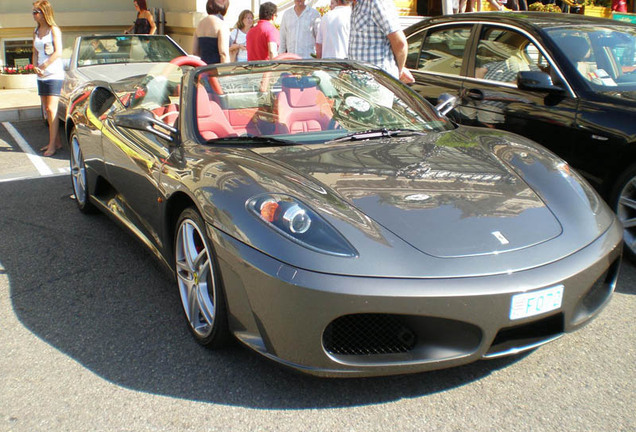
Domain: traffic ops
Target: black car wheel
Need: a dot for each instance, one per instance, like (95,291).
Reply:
(198,281)
(78,176)
(624,202)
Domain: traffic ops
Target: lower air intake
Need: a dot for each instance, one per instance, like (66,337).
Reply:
(368,334)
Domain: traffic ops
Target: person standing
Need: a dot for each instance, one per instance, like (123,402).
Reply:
(262,39)
(377,38)
(619,6)
(475,6)
(332,40)
(145,23)
(298,30)
(238,37)
(47,55)
(211,38)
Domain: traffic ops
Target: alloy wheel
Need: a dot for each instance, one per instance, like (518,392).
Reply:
(78,172)
(626,211)
(195,277)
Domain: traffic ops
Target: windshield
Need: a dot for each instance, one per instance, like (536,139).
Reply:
(603,55)
(308,102)
(99,50)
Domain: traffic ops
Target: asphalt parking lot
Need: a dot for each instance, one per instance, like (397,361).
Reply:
(92,338)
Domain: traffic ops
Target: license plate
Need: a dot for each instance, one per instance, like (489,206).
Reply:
(536,302)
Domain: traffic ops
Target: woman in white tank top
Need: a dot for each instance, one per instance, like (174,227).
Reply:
(47,58)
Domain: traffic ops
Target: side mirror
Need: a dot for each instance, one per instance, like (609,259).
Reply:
(445,103)
(537,81)
(144,120)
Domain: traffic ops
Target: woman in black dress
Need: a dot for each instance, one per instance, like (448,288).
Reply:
(211,39)
(145,23)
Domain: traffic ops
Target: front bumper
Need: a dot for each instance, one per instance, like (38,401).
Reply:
(333,325)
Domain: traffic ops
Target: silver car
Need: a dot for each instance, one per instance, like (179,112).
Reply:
(111,58)
(326,216)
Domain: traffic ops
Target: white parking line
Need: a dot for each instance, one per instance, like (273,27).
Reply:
(12,179)
(36,160)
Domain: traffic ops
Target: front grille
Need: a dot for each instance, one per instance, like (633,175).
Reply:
(368,334)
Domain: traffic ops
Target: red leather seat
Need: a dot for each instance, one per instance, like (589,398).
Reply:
(167,113)
(301,106)
(210,118)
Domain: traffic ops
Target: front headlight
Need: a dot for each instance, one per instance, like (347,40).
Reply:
(297,222)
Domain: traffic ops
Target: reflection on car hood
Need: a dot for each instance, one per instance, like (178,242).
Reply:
(115,72)
(446,201)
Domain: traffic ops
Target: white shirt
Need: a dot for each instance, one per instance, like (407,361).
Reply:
(298,33)
(55,71)
(238,37)
(334,32)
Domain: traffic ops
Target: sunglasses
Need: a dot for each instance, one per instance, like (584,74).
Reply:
(36,12)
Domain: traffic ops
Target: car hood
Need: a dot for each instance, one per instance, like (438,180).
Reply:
(446,201)
(466,202)
(115,72)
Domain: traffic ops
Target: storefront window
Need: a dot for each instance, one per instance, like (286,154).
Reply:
(18,52)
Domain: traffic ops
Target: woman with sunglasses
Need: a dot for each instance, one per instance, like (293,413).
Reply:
(47,56)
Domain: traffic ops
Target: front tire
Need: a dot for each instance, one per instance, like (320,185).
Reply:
(79,177)
(198,281)
(623,199)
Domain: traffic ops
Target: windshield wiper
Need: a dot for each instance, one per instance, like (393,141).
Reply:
(378,133)
(251,140)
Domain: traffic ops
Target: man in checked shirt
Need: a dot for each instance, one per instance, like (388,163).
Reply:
(377,38)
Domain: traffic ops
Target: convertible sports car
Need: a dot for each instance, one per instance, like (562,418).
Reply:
(114,57)
(565,81)
(329,218)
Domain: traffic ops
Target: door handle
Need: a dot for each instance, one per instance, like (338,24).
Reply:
(475,94)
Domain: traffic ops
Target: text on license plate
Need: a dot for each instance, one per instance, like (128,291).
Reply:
(536,302)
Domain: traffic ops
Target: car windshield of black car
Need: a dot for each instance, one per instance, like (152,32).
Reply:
(604,56)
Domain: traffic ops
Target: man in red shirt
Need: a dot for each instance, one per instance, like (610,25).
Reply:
(262,39)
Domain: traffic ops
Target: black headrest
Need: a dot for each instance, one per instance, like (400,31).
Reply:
(574,47)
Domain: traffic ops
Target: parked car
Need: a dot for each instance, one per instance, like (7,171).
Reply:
(566,81)
(112,58)
(330,219)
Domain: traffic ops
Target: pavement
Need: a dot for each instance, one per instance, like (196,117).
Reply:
(19,105)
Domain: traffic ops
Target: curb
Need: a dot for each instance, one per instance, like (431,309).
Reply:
(20,114)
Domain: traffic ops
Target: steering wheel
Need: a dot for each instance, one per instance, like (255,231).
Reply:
(188,61)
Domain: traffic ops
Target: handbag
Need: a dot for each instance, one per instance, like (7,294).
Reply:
(234,54)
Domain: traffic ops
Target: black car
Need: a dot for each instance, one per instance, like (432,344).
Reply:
(565,81)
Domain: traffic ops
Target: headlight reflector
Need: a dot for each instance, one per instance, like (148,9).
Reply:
(297,219)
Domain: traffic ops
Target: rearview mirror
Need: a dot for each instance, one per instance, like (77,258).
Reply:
(537,81)
(141,119)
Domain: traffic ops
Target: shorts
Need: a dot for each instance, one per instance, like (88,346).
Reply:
(50,87)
